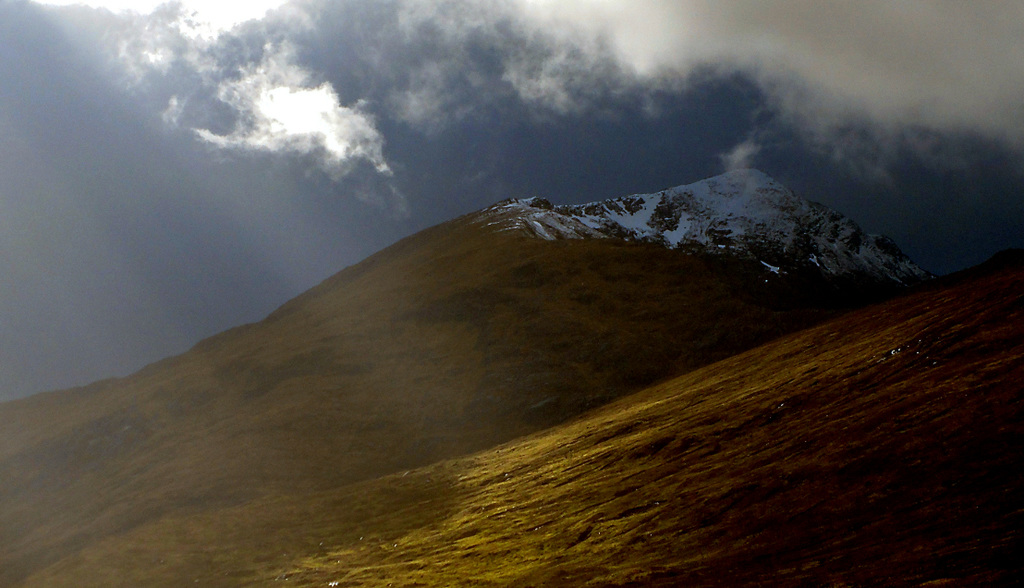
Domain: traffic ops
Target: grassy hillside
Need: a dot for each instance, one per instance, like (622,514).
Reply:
(452,341)
(880,448)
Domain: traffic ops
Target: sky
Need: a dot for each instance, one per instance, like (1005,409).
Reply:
(171,170)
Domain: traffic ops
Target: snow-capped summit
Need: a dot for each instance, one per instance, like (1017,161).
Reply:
(743,213)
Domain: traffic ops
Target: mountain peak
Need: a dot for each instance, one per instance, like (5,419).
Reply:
(744,213)
(745,177)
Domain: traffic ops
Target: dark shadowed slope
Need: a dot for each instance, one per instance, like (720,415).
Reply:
(879,448)
(456,339)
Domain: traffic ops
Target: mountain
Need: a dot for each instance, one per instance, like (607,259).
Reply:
(878,448)
(743,213)
(452,341)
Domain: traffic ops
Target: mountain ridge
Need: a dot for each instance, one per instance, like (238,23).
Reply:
(743,213)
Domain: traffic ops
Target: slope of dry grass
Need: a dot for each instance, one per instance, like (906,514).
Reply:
(880,448)
(449,342)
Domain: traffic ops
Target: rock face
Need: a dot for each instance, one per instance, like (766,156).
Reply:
(743,213)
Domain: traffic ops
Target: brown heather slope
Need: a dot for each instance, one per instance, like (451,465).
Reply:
(880,448)
(451,341)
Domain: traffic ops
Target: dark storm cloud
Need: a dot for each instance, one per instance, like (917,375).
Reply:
(949,66)
(882,68)
(864,84)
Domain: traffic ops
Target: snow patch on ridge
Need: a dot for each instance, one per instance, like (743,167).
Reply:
(744,213)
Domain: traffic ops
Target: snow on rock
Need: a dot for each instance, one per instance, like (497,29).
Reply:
(744,213)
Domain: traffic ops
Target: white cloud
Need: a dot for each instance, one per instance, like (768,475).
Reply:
(194,49)
(741,156)
(172,113)
(947,65)
(206,18)
(280,110)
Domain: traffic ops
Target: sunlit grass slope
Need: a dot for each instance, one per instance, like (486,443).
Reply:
(880,448)
(451,341)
